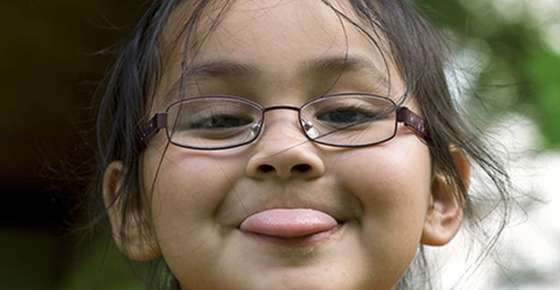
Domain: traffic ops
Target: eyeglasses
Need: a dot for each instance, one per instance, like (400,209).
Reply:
(341,120)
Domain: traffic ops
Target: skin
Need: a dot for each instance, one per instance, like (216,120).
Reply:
(385,194)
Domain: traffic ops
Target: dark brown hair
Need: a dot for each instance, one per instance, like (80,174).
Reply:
(415,46)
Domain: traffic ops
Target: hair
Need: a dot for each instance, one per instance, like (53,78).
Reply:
(415,47)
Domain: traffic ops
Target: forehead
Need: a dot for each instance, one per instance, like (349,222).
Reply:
(272,30)
(267,30)
(278,38)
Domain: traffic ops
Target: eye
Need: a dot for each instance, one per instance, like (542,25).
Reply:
(204,121)
(221,121)
(346,115)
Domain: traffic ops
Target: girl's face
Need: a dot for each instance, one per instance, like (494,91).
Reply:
(379,196)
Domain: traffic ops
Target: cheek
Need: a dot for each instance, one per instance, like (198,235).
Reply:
(389,178)
(392,184)
(189,187)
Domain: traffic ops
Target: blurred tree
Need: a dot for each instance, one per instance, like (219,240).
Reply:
(520,41)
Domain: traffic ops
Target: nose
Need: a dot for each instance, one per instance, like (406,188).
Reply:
(284,152)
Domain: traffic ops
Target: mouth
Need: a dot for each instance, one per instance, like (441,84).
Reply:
(291,227)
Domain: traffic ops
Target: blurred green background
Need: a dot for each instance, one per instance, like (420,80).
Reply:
(506,51)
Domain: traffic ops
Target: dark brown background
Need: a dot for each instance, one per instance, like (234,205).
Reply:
(50,67)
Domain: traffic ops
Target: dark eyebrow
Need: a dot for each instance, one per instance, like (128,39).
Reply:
(339,64)
(220,68)
(345,64)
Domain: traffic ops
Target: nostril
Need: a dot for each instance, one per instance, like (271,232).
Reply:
(302,167)
(266,168)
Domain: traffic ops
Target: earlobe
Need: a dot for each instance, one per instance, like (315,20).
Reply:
(130,233)
(445,214)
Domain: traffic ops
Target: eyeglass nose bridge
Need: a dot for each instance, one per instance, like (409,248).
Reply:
(307,126)
(281,107)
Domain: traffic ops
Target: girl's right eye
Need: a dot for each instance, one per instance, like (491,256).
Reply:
(218,122)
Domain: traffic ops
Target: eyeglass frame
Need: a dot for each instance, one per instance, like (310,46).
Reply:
(403,115)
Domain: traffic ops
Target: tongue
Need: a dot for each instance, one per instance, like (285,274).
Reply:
(288,223)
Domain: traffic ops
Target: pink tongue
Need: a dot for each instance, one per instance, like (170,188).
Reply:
(288,223)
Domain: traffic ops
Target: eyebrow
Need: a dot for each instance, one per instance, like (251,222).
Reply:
(221,68)
(346,64)
(341,64)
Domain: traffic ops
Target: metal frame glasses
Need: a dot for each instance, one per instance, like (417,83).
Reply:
(342,120)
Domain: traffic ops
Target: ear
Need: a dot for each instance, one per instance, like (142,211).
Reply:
(445,214)
(135,240)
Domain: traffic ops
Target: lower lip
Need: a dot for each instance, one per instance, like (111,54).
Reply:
(306,241)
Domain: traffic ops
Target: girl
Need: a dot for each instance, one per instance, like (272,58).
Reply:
(286,145)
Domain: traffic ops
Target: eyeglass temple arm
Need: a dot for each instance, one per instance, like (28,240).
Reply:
(413,121)
(156,123)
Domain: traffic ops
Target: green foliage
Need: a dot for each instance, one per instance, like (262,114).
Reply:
(522,72)
(543,71)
